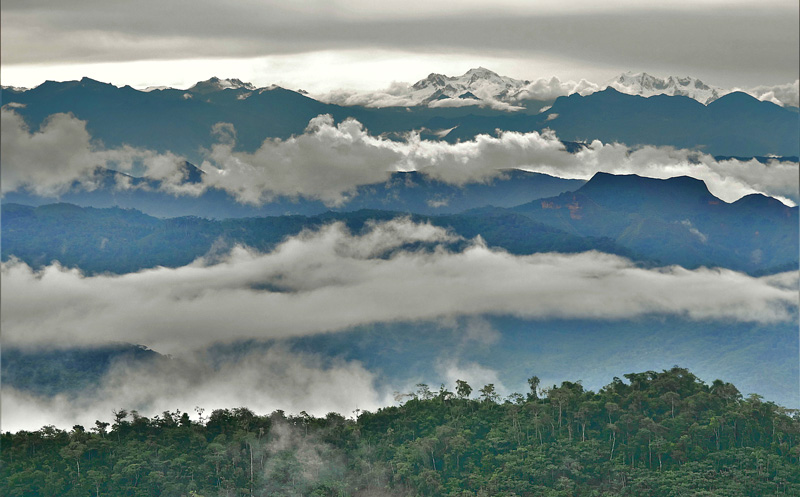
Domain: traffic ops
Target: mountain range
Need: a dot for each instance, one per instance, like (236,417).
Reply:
(481,86)
(655,222)
(181,121)
(402,192)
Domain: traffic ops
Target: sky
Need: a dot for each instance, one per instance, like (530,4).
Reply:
(323,45)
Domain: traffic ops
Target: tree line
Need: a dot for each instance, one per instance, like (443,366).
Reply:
(650,434)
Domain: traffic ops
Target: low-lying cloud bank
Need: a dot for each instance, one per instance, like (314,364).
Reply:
(330,280)
(263,381)
(329,161)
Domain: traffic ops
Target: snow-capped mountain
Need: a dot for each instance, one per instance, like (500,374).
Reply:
(475,84)
(483,87)
(478,86)
(647,85)
(217,84)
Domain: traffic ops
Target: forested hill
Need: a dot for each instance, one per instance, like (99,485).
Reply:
(652,434)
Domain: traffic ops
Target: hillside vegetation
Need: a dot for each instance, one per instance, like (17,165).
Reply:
(652,434)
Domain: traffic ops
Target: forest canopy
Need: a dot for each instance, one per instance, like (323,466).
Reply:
(651,433)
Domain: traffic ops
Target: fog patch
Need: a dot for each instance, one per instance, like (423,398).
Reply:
(263,380)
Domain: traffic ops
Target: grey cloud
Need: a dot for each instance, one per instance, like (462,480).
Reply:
(263,380)
(743,43)
(331,280)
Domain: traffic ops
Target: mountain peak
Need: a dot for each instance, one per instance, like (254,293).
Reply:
(648,85)
(481,72)
(478,84)
(215,84)
(679,188)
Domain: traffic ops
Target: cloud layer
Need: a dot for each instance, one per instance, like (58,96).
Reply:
(331,280)
(740,41)
(330,161)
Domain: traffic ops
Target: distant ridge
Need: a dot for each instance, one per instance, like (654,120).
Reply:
(485,86)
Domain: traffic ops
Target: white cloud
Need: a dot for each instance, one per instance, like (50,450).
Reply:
(550,89)
(696,232)
(49,160)
(331,280)
(473,373)
(329,161)
(788,94)
(60,154)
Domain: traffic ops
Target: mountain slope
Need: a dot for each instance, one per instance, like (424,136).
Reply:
(119,241)
(733,125)
(676,221)
(657,222)
(403,191)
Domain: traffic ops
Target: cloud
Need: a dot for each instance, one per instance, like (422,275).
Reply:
(262,380)
(749,41)
(550,89)
(696,232)
(473,373)
(61,155)
(398,94)
(787,94)
(47,161)
(330,280)
(467,102)
(329,161)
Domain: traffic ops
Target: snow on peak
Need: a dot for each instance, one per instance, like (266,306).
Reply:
(15,88)
(156,88)
(217,84)
(478,86)
(647,85)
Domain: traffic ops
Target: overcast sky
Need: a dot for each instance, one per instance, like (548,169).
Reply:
(323,45)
